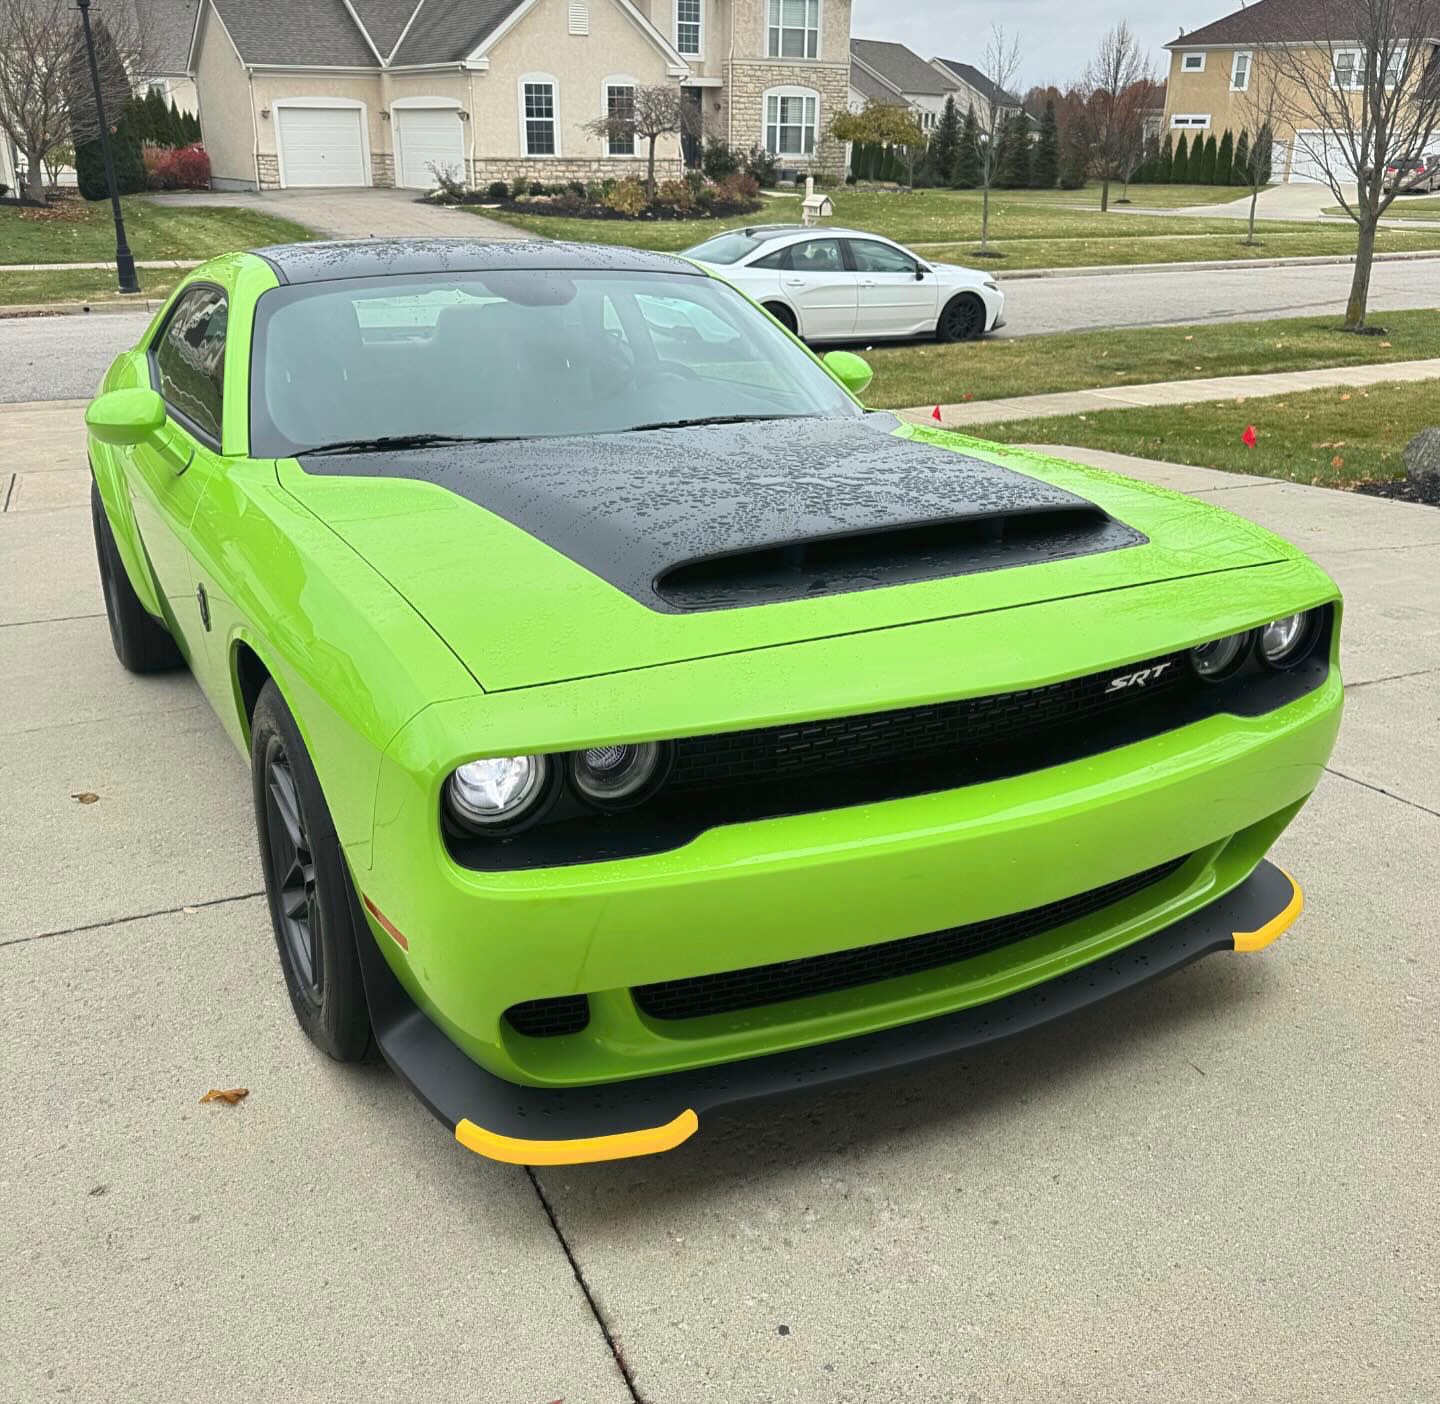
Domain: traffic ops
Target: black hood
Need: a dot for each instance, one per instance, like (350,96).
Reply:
(721,516)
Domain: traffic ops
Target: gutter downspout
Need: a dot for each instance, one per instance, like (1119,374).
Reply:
(473,176)
(730,84)
(254,130)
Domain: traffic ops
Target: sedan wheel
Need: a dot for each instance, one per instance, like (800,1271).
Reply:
(962,320)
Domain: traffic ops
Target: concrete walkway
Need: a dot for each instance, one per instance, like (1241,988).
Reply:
(355,214)
(108,263)
(1168,392)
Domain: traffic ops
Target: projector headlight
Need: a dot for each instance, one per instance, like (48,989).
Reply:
(613,777)
(498,792)
(1289,641)
(1220,657)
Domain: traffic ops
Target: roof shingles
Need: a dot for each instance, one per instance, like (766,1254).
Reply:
(902,68)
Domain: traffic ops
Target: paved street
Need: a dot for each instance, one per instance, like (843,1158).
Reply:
(64,357)
(1222,1187)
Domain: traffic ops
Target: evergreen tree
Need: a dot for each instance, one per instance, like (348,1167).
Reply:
(178,131)
(1225,161)
(1265,144)
(1021,154)
(945,147)
(1165,162)
(192,127)
(124,142)
(1208,161)
(1180,171)
(1240,170)
(1045,166)
(157,120)
(967,158)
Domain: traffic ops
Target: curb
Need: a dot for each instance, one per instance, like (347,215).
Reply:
(1208,266)
(80,309)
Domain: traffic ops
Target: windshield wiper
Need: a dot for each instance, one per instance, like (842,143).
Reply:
(709,419)
(401,441)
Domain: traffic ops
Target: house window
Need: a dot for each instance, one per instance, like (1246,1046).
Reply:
(687,27)
(790,121)
(537,116)
(1240,71)
(1349,71)
(1193,63)
(620,105)
(794,28)
(1190,119)
(1394,66)
(579,19)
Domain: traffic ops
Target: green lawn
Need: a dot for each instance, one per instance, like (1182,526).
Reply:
(1332,438)
(81,232)
(84,285)
(1029,232)
(1404,207)
(1154,197)
(927,373)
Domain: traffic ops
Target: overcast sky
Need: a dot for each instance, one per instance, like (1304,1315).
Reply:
(1056,37)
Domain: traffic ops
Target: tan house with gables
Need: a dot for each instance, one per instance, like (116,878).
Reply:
(385,92)
(1213,69)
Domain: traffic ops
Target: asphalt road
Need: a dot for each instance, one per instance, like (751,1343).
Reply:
(57,358)
(1220,1188)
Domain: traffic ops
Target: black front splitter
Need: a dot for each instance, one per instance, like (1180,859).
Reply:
(553,1126)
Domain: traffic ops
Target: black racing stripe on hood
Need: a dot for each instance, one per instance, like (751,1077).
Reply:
(721,516)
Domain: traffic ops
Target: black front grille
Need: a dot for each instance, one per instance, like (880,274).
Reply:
(843,970)
(550,1018)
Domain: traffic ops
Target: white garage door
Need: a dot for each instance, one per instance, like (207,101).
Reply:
(1314,152)
(425,137)
(321,146)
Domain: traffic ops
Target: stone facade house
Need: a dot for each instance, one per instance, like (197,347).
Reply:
(387,92)
(1212,70)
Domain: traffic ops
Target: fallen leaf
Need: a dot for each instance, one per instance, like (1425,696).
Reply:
(86,796)
(189,911)
(1239,399)
(99,1190)
(1386,343)
(1344,397)
(1337,462)
(1189,338)
(230,1096)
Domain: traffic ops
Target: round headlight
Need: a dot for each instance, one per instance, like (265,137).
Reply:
(1286,642)
(1220,657)
(616,775)
(500,790)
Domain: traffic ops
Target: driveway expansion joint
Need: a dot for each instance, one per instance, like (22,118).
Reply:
(138,916)
(1381,790)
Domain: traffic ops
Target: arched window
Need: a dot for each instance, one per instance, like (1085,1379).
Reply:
(792,118)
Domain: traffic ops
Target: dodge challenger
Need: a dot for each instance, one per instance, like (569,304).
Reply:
(639,726)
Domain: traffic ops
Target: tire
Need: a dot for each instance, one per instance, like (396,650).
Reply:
(142,643)
(307,883)
(784,316)
(961,319)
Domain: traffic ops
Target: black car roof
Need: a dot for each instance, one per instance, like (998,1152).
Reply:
(327,260)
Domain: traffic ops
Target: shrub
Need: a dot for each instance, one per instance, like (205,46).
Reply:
(761,164)
(538,188)
(675,195)
(519,187)
(595,193)
(448,188)
(577,189)
(740,187)
(719,159)
(498,190)
(627,197)
(180,168)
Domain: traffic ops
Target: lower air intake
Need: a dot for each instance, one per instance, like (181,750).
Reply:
(549,1018)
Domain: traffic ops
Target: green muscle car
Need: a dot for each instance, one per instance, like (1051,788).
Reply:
(639,726)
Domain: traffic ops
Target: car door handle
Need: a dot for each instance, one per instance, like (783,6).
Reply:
(867,282)
(794,282)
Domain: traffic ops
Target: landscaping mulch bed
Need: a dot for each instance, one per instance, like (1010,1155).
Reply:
(1423,488)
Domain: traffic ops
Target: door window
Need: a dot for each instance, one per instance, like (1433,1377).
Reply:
(817,256)
(188,361)
(871,257)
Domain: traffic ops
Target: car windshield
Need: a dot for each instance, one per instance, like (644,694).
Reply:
(729,247)
(518,354)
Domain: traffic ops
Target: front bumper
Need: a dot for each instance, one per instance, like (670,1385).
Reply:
(525,1125)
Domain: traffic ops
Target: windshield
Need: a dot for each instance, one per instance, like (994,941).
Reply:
(518,354)
(729,247)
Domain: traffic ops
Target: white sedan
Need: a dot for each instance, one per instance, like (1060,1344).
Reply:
(847,285)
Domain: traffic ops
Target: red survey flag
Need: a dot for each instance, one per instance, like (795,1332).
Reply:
(1248,437)
(935,415)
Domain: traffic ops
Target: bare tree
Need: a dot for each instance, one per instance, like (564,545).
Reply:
(1259,104)
(1119,87)
(1369,88)
(999,67)
(40,42)
(655,111)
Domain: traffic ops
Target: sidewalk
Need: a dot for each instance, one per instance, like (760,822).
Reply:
(1169,392)
(108,263)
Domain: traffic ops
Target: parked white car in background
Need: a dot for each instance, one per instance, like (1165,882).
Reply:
(846,285)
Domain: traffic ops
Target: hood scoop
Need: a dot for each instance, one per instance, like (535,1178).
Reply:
(898,555)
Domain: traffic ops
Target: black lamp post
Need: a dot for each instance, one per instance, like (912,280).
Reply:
(124,259)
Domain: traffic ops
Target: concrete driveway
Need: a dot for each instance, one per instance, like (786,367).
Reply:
(1220,1188)
(355,214)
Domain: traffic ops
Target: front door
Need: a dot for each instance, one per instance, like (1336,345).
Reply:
(692,125)
(820,288)
(168,473)
(896,295)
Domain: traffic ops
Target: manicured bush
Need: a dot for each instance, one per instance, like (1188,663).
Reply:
(186,168)
(498,190)
(675,195)
(520,186)
(1209,158)
(719,159)
(627,198)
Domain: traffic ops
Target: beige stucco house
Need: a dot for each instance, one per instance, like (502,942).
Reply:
(1214,71)
(384,92)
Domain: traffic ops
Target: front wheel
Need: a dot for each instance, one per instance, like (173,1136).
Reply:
(784,316)
(963,319)
(308,886)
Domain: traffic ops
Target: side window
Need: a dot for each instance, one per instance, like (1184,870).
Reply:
(189,359)
(817,256)
(871,257)
(779,259)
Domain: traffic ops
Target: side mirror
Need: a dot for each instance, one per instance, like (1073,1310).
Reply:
(125,416)
(919,274)
(852,371)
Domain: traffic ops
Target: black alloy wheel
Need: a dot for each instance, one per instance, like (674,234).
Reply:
(962,320)
(297,912)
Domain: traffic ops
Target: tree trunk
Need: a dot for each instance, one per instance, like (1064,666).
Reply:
(33,186)
(1105,192)
(650,171)
(1360,283)
(985,217)
(1254,198)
